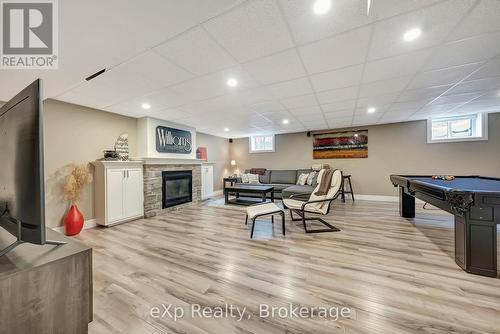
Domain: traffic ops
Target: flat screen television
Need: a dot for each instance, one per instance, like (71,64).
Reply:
(22,195)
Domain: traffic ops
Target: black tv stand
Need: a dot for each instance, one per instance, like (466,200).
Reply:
(20,242)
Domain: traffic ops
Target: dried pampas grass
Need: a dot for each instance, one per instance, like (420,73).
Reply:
(75,182)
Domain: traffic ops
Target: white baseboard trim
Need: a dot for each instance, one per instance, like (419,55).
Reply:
(91,223)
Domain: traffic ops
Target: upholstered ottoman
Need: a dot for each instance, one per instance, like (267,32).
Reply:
(265,209)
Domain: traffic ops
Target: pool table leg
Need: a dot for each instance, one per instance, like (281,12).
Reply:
(476,246)
(406,204)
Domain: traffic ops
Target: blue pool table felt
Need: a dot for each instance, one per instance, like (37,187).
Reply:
(474,184)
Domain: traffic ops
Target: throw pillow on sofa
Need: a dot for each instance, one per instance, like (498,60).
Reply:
(253,179)
(302,179)
(311,178)
(244,178)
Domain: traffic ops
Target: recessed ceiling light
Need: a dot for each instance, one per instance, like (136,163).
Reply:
(322,7)
(232,82)
(412,34)
(226,129)
(285,121)
(146,106)
(371,110)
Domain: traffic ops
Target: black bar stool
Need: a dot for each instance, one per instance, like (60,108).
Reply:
(347,180)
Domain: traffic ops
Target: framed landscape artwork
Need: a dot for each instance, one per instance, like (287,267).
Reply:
(340,145)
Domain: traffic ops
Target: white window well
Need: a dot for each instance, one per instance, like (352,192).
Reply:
(458,128)
(260,144)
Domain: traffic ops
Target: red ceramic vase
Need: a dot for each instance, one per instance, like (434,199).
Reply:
(73,222)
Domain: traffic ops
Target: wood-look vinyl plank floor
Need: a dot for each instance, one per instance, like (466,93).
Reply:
(396,275)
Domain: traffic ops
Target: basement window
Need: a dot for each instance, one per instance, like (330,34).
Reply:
(259,144)
(458,128)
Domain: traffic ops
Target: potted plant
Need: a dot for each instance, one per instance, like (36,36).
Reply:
(75,182)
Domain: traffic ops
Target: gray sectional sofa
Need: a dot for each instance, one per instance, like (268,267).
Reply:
(284,182)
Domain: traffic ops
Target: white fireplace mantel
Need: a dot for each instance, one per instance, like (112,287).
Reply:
(172,161)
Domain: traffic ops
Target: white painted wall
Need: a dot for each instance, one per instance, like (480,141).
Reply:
(146,134)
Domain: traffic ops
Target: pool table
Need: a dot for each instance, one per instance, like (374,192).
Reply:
(475,203)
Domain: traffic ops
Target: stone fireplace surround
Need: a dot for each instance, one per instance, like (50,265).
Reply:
(153,169)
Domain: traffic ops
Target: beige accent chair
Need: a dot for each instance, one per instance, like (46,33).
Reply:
(319,205)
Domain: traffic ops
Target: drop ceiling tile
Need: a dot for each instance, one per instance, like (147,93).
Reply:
(307,26)
(449,98)
(343,105)
(438,109)
(305,110)
(339,125)
(94,95)
(299,101)
(436,23)
(475,86)
(422,93)
(316,125)
(349,76)
(278,67)
(446,76)
(388,8)
(390,118)
(377,101)
(197,52)
(482,19)
(165,97)
(475,49)
(143,74)
(337,95)
(365,119)
(254,29)
(384,87)
(490,69)
(387,68)
(277,116)
(134,108)
(252,96)
(221,104)
(266,107)
(214,84)
(290,88)
(336,52)
(311,118)
(490,102)
(362,112)
(408,107)
(169,114)
(339,114)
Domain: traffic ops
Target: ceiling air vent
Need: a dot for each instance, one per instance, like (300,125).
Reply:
(95,74)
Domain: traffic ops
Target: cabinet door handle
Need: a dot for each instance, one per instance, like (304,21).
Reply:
(128,174)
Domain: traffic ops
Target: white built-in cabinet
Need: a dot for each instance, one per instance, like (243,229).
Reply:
(119,194)
(207,181)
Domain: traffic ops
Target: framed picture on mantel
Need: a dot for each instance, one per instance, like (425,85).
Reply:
(340,145)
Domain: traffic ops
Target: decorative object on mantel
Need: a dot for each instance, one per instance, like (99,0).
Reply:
(121,147)
(75,182)
(340,145)
(201,153)
(111,155)
(170,140)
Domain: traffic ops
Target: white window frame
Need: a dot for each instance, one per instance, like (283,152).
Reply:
(261,151)
(481,124)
